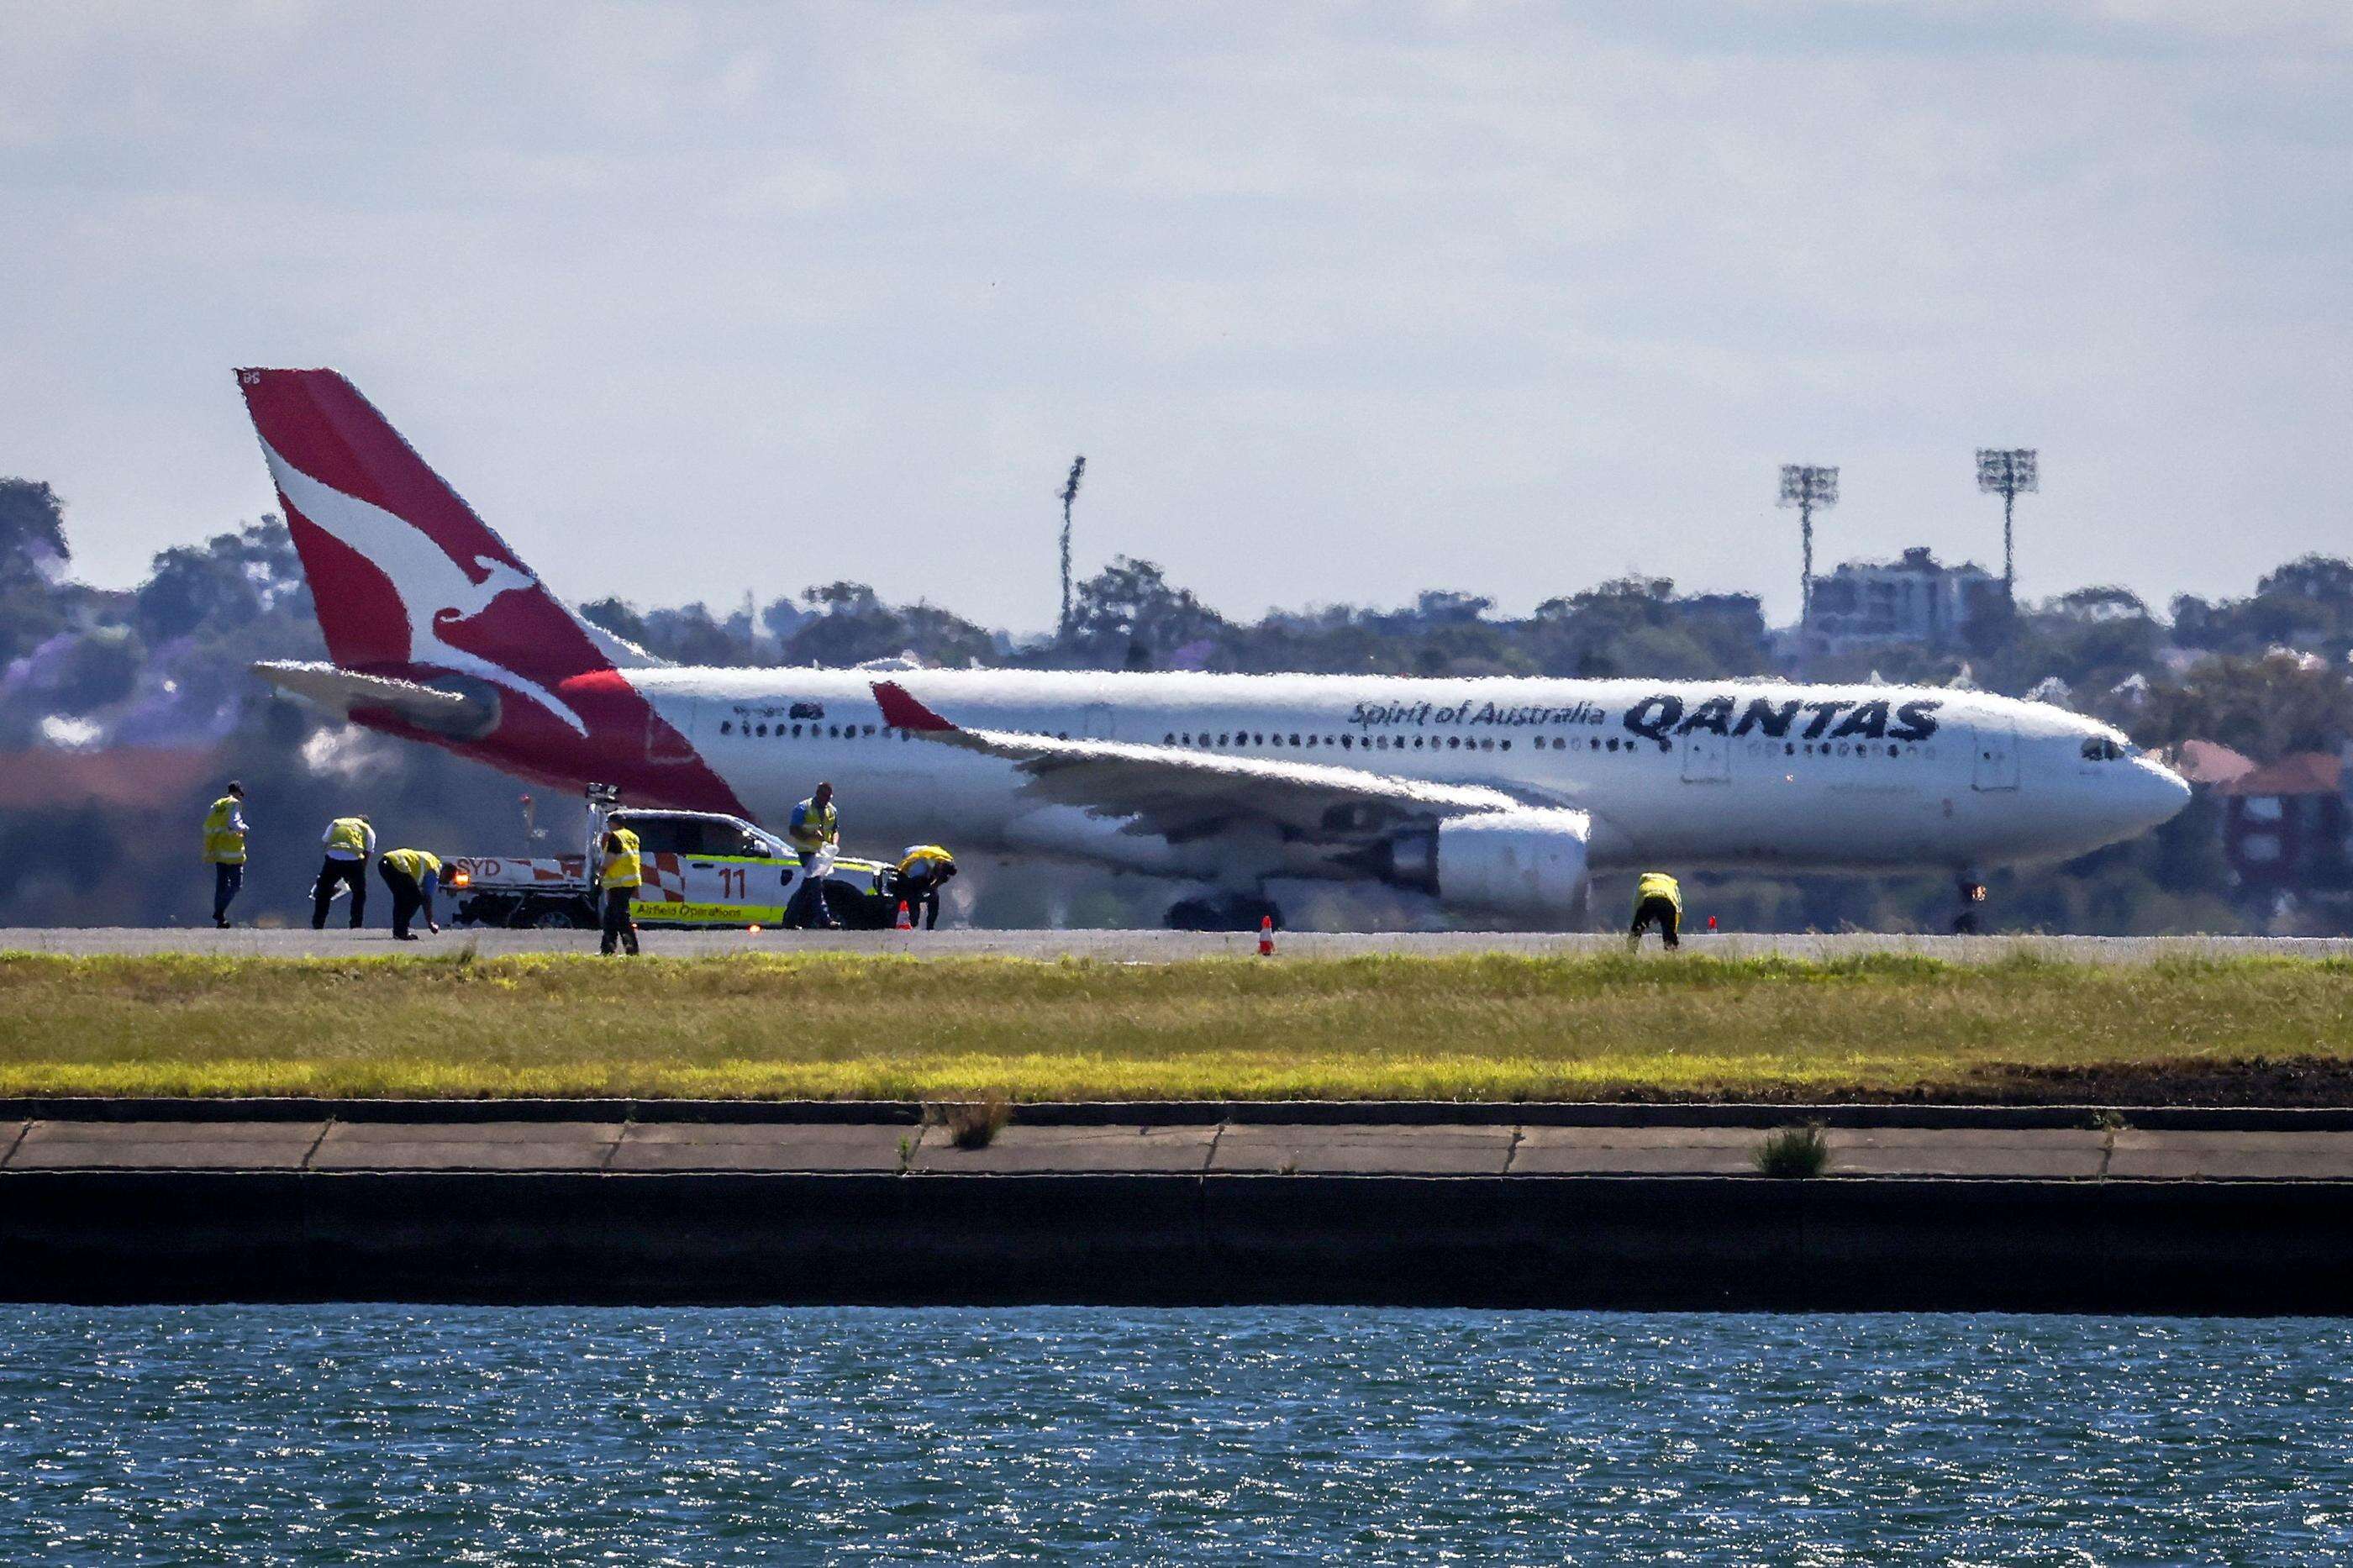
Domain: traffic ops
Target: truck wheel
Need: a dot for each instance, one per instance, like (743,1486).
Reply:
(486,910)
(545,917)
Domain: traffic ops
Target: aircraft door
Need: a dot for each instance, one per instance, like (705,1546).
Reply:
(1095,721)
(1996,756)
(1707,758)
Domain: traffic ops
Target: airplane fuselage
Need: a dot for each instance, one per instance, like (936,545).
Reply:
(1498,793)
(1691,774)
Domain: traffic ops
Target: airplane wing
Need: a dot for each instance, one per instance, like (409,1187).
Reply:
(339,691)
(1179,795)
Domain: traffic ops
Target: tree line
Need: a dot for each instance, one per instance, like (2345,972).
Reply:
(164,664)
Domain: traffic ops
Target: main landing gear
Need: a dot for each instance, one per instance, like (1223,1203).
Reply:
(1973,898)
(1230,912)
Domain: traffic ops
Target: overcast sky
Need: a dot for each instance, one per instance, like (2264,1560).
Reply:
(1340,301)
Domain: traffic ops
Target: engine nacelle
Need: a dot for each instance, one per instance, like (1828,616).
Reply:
(1529,862)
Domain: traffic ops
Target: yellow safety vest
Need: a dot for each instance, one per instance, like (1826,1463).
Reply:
(817,827)
(413,863)
(622,866)
(924,857)
(1658,885)
(224,845)
(348,833)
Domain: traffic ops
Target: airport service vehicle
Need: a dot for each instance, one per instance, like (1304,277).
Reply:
(1491,795)
(701,868)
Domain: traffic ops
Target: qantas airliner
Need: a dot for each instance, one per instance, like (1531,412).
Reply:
(1490,795)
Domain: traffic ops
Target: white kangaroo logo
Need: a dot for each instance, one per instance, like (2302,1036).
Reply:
(423,573)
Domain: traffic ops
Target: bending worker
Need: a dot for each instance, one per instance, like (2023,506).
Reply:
(922,871)
(350,844)
(814,831)
(413,876)
(618,878)
(225,850)
(1658,901)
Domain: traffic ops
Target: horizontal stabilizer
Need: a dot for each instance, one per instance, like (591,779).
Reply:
(460,715)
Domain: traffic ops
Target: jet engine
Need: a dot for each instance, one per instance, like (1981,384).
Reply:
(1530,862)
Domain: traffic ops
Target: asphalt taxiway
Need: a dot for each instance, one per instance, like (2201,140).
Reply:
(1145,946)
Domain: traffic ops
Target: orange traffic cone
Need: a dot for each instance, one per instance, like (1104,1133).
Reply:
(1266,936)
(906,920)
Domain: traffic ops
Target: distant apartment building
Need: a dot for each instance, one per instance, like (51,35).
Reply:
(2283,824)
(1914,599)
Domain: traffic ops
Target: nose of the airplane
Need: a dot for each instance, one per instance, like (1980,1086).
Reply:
(2159,793)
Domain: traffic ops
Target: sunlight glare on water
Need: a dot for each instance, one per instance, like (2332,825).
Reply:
(285,1434)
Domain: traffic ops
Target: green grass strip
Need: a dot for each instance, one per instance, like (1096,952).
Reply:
(1493,1026)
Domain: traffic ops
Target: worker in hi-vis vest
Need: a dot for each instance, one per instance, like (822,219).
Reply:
(350,844)
(1659,901)
(413,876)
(225,850)
(618,876)
(814,831)
(923,870)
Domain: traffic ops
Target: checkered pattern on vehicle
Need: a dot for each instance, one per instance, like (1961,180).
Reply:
(665,880)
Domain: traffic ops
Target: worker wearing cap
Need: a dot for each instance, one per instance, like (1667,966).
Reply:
(225,850)
(413,876)
(619,876)
(814,831)
(350,844)
(1658,901)
(923,869)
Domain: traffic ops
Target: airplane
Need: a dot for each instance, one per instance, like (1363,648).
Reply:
(1491,795)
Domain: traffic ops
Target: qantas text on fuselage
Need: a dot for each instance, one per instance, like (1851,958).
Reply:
(1495,794)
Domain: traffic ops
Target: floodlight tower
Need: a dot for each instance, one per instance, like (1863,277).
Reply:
(1807,486)
(2008,472)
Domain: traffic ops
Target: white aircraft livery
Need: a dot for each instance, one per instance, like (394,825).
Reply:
(1491,795)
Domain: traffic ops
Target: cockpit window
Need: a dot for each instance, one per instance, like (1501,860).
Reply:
(2101,749)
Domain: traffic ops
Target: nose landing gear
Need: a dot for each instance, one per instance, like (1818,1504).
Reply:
(1973,898)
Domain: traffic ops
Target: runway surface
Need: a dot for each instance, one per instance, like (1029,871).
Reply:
(1146,946)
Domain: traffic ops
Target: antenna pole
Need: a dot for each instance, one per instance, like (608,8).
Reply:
(1070,494)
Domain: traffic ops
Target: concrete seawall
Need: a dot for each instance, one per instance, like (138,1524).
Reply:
(1996,1210)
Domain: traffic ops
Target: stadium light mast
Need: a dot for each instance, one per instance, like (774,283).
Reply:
(1807,486)
(1070,494)
(2008,472)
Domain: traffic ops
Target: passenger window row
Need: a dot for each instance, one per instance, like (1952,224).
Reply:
(1344,742)
(1860,749)
(816,731)
(2097,749)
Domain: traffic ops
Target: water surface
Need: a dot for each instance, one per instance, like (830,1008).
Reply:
(368,1434)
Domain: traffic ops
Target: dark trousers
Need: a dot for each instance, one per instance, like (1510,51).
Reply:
(923,896)
(407,898)
(352,872)
(1661,913)
(227,881)
(618,927)
(808,907)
